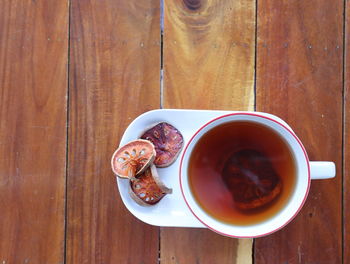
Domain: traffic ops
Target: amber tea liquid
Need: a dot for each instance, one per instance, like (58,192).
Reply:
(242,172)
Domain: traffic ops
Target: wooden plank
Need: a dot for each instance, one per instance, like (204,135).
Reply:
(299,78)
(208,64)
(346,141)
(33,86)
(115,64)
(209,54)
(180,245)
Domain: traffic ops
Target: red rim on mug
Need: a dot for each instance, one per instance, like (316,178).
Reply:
(281,223)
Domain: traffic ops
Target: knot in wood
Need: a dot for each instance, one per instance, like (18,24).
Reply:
(193,4)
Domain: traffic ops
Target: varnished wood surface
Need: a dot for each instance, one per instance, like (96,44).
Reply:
(33,89)
(114,77)
(208,58)
(299,78)
(346,139)
(74,74)
(202,246)
(208,64)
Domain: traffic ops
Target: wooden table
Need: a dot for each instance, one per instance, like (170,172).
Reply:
(73,74)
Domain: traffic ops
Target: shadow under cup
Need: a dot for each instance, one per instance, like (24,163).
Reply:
(244,175)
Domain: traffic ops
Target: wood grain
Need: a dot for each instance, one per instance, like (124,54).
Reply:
(346,141)
(299,78)
(179,245)
(209,54)
(208,64)
(114,76)
(33,87)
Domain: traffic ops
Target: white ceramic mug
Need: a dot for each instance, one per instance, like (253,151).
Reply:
(305,171)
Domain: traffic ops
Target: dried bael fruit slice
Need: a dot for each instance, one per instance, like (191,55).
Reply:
(167,141)
(252,180)
(147,189)
(133,158)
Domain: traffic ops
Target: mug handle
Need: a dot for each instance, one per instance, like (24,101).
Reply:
(322,170)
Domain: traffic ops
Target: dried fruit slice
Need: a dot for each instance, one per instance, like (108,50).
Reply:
(133,158)
(167,141)
(147,189)
(252,180)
